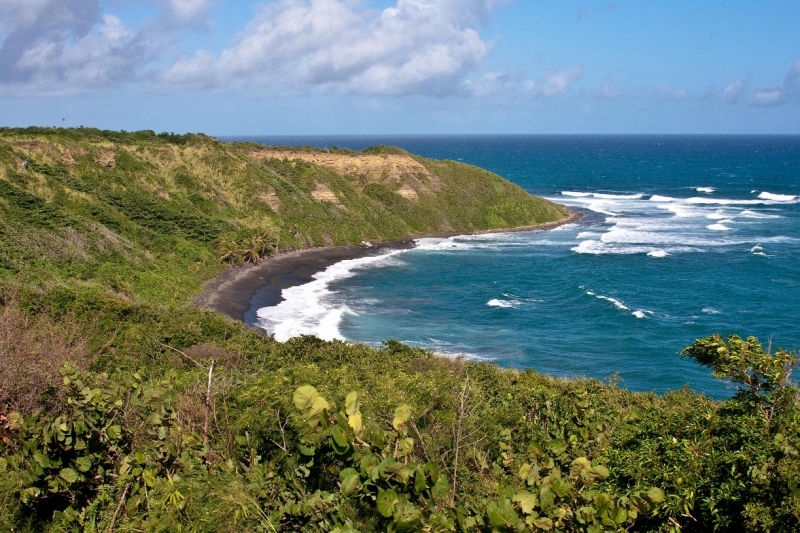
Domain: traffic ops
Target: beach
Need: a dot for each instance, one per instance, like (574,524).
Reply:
(241,290)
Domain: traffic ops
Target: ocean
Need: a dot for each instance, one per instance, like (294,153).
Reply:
(684,236)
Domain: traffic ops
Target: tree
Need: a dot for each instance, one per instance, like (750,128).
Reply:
(763,377)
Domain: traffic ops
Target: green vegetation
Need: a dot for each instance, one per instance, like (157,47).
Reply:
(124,408)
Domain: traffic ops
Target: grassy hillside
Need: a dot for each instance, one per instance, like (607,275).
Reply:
(102,207)
(123,408)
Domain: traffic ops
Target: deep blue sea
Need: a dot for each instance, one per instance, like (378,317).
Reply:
(684,236)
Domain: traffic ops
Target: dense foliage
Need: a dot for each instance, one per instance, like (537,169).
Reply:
(123,408)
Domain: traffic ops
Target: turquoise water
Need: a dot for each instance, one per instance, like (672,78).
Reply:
(684,237)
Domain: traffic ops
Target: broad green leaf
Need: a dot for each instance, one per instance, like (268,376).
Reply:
(524,471)
(387,502)
(15,420)
(68,475)
(655,494)
(404,447)
(601,471)
(354,421)
(350,482)
(542,523)
(114,432)
(149,477)
(352,404)
(502,516)
(433,472)
(306,450)
(420,479)
(318,405)
(526,501)
(304,397)
(83,464)
(401,415)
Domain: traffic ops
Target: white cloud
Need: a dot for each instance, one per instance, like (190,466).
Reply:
(733,91)
(557,82)
(665,92)
(414,47)
(768,96)
(611,89)
(189,13)
(780,94)
(54,47)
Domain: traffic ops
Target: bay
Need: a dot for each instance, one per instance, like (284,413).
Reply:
(684,236)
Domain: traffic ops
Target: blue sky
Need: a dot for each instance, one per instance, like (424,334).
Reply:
(229,67)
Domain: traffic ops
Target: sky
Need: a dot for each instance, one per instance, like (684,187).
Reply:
(274,67)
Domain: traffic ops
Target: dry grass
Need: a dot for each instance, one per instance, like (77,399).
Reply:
(31,351)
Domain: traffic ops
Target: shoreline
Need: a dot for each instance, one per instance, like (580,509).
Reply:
(240,289)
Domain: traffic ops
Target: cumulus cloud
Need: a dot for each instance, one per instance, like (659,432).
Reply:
(516,85)
(65,46)
(186,13)
(774,95)
(611,89)
(731,93)
(666,92)
(413,47)
(557,82)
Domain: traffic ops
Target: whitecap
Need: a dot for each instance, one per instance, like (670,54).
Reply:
(752,214)
(707,190)
(618,196)
(658,253)
(711,311)
(641,313)
(718,227)
(617,303)
(309,309)
(588,235)
(658,198)
(502,303)
(576,194)
(777,197)
(756,248)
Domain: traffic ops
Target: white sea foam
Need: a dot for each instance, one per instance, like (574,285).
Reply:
(658,198)
(752,214)
(777,197)
(502,303)
(638,223)
(658,253)
(617,303)
(311,309)
(707,190)
(641,313)
(711,311)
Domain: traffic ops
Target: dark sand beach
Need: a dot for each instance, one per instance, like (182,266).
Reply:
(241,290)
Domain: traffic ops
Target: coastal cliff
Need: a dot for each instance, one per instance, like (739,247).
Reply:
(126,407)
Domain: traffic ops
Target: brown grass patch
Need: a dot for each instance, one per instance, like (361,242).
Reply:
(31,351)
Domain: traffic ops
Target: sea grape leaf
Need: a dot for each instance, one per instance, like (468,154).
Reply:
(355,422)
(404,447)
(304,396)
(352,404)
(68,475)
(526,501)
(350,479)
(655,494)
(401,416)
(502,515)
(83,464)
(387,502)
